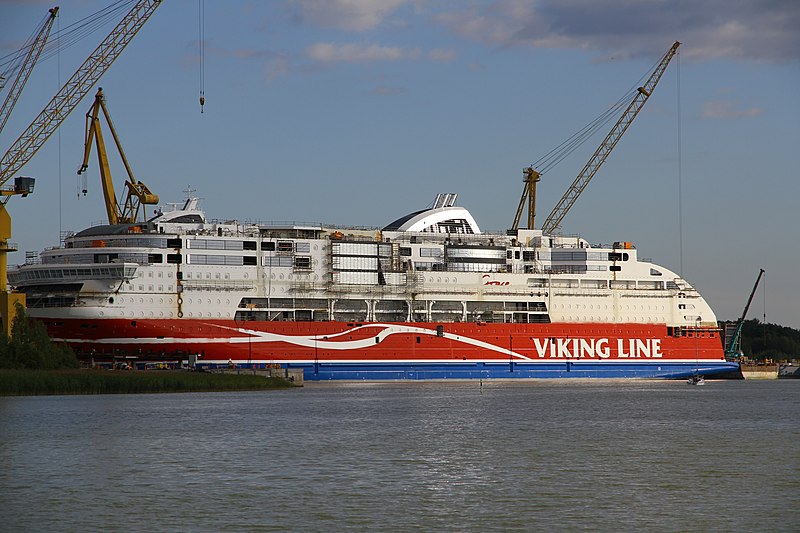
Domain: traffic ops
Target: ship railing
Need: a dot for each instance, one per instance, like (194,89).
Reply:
(307,286)
(216,285)
(368,289)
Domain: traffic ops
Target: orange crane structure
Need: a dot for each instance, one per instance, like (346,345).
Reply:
(51,117)
(532,177)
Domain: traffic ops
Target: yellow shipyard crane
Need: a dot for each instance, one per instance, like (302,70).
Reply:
(26,67)
(532,177)
(51,117)
(137,192)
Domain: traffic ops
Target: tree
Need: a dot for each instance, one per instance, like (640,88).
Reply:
(30,347)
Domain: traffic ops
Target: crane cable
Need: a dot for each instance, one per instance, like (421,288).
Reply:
(563,150)
(66,37)
(12,62)
(201,5)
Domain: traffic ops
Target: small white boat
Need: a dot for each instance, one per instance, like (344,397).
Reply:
(696,379)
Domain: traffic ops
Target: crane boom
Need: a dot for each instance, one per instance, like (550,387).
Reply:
(137,192)
(75,89)
(730,352)
(34,51)
(553,221)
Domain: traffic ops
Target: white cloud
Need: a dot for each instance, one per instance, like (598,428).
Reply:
(358,15)
(358,53)
(746,29)
(441,55)
(721,109)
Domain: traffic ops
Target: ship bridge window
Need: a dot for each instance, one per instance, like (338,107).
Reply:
(105,258)
(567,255)
(187,219)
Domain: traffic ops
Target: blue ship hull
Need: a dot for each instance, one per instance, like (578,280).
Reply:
(480,370)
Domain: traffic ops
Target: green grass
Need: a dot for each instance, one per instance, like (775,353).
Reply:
(43,382)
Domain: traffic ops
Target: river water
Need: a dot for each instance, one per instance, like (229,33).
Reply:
(529,456)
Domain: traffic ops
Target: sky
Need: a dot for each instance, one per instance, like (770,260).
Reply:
(356,112)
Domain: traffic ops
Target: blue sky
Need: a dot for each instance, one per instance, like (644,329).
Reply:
(356,112)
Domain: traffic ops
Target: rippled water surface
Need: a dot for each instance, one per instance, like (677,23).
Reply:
(533,456)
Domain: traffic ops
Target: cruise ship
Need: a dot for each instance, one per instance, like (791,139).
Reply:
(428,296)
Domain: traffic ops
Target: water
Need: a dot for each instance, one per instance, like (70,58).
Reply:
(534,456)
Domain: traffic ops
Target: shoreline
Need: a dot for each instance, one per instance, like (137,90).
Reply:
(92,381)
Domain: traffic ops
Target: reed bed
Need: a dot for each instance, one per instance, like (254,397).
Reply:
(75,381)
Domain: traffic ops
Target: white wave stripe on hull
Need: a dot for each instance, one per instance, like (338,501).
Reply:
(314,341)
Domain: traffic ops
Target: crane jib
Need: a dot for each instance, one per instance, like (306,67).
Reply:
(554,219)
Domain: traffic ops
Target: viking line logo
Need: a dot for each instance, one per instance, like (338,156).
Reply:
(490,281)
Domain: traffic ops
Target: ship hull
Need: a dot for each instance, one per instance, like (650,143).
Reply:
(406,351)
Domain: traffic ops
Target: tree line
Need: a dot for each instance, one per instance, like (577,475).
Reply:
(761,341)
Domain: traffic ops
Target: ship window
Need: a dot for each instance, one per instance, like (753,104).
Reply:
(268,246)
(302,262)
(528,255)
(174,259)
(285,246)
(173,243)
(614,256)
(405,251)
(430,252)
(624,257)
(654,272)
(155,258)
(249,260)
(615,268)
(105,258)
(249,245)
